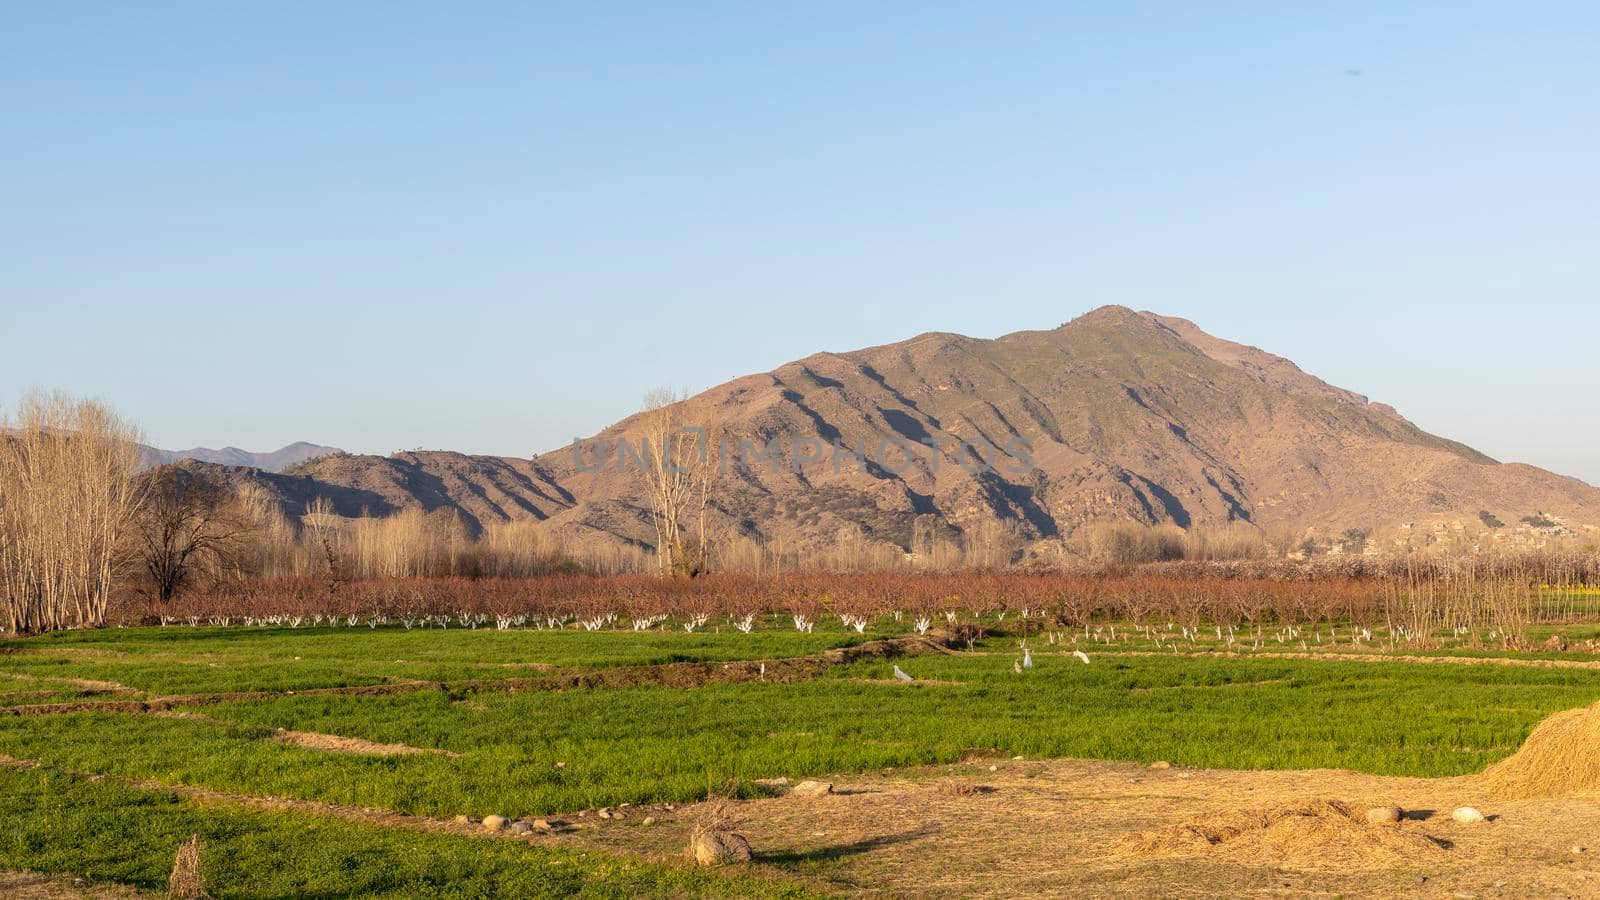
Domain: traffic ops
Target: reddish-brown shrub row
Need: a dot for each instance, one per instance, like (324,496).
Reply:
(1423,593)
(1068,599)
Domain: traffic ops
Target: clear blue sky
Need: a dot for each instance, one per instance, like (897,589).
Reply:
(492,228)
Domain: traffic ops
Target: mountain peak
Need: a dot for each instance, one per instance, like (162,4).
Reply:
(271,461)
(1116,416)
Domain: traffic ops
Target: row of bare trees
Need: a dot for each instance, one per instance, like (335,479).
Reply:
(68,495)
(76,511)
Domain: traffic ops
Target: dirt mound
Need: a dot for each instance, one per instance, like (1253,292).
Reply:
(1316,834)
(1559,759)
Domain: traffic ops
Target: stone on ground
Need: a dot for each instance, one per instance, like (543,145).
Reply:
(716,848)
(1384,815)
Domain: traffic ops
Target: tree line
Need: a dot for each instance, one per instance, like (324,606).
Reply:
(85,526)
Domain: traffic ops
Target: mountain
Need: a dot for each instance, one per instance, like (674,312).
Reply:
(274,461)
(1115,416)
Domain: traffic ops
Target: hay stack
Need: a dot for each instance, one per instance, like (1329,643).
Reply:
(1560,758)
(185,882)
(714,841)
(1316,834)
(717,848)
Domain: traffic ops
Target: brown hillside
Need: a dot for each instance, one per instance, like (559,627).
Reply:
(1126,416)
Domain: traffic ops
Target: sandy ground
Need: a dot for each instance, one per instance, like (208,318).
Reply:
(1053,828)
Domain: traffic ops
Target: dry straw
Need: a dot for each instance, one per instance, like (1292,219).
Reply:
(1316,834)
(185,882)
(1560,758)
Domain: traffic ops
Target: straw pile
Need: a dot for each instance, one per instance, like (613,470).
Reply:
(1316,834)
(1559,759)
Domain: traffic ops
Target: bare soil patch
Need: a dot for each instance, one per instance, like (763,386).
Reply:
(335,743)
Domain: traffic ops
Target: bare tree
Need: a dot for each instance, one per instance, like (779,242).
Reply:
(678,472)
(67,493)
(323,525)
(189,519)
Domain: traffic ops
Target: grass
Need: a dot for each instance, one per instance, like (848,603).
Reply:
(18,690)
(182,660)
(540,752)
(653,744)
(107,832)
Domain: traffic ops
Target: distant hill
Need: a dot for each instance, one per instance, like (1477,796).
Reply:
(1127,416)
(275,461)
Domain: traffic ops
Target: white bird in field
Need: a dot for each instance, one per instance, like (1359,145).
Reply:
(1082,656)
(1016,666)
(1027,658)
(901,676)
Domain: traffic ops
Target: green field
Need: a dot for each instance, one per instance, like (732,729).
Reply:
(518,749)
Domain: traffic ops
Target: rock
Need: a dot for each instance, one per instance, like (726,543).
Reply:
(1384,815)
(544,825)
(521,828)
(604,813)
(649,820)
(1466,815)
(1160,764)
(462,820)
(812,788)
(994,768)
(715,848)
(494,823)
(1579,848)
